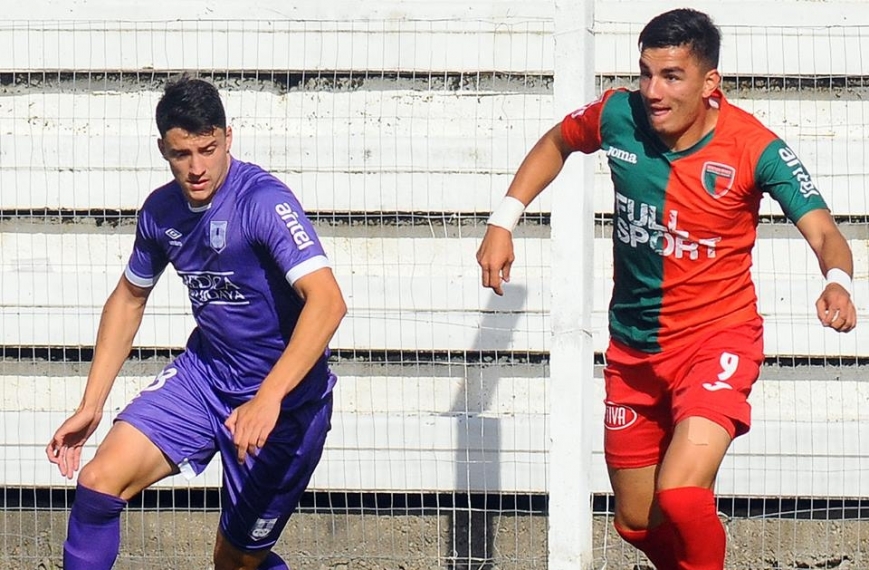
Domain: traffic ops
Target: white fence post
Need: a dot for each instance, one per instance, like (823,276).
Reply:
(572,394)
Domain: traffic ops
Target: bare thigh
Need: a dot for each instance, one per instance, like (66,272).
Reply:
(126,462)
(634,491)
(694,454)
(692,459)
(228,557)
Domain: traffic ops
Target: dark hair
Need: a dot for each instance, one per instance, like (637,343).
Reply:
(190,104)
(684,27)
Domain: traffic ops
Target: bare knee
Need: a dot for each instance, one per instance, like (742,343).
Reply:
(634,491)
(104,475)
(636,515)
(126,462)
(97,476)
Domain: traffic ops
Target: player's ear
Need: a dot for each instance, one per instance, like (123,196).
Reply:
(162,148)
(228,138)
(711,82)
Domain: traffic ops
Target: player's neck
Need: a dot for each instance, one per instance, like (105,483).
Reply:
(705,124)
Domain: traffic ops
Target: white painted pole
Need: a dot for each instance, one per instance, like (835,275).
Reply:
(571,397)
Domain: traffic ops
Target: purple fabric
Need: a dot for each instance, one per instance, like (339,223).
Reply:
(94,531)
(237,258)
(259,496)
(273,562)
(184,418)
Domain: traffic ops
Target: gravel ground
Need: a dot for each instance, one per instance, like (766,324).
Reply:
(368,541)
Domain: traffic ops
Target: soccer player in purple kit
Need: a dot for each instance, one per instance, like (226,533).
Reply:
(253,382)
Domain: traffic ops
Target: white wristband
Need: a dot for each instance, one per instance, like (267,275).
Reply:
(507,214)
(839,276)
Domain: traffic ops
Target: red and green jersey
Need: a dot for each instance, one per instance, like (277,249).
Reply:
(684,223)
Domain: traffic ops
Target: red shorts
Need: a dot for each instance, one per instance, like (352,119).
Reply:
(647,394)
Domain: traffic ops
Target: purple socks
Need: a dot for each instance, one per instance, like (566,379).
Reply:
(272,562)
(94,532)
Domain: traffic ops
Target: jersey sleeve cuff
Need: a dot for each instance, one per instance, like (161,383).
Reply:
(142,282)
(308,266)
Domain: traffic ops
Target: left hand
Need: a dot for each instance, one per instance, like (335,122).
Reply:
(251,423)
(836,309)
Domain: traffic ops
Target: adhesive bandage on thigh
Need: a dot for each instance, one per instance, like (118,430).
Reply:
(697,434)
(507,214)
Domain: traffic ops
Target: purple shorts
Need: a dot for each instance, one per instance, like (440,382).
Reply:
(184,417)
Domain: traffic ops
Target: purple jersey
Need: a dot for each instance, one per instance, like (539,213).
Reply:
(238,257)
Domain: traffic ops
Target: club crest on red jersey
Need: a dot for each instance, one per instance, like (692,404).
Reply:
(217,234)
(717,178)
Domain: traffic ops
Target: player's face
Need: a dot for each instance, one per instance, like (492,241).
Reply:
(199,162)
(676,88)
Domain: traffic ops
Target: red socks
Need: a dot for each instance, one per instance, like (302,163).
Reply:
(691,536)
(658,543)
(700,539)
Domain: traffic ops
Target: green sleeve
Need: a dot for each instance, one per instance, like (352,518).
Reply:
(783,175)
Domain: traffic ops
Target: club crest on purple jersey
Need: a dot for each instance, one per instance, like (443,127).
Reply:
(217,235)
(717,178)
(262,528)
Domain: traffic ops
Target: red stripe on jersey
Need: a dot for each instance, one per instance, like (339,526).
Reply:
(581,129)
(711,285)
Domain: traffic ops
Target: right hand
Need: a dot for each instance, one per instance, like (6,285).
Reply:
(64,449)
(495,257)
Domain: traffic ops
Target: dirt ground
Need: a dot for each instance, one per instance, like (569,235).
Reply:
(367,541)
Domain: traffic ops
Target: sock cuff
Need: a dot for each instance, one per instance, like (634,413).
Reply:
(687,503)
(631,536)
(700,536)
(92,506)
(692,494)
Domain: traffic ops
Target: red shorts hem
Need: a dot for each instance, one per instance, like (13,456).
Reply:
(630,463)
(735,427)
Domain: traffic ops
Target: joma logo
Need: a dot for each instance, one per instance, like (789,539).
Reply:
(620,154)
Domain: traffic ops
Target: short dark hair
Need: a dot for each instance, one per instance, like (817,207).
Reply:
(191,104)
(684,27)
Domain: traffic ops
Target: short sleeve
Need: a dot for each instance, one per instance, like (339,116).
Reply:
(276,221)
(148,259)
(581,129)
(780,173)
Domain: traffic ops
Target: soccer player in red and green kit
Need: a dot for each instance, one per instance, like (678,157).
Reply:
(689,171)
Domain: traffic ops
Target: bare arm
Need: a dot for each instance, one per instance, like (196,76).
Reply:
(835,306)
(324,309)
(120,320)
(540,167)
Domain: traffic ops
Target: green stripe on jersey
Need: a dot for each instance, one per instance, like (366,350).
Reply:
(640,172)
(781,173)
